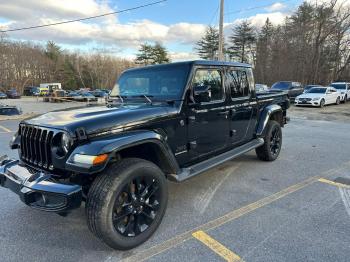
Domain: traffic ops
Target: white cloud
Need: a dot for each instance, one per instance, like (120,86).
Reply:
(107,31)
(182,56)
(258,20)
(276,7)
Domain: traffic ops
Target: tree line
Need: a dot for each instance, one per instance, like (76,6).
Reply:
(311,46)
(28,64)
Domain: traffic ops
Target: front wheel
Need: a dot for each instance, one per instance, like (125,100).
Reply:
(345,99)
(322,103)
(337,102)
(126,203)
(271,149)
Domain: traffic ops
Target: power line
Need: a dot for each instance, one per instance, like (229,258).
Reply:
(253,8)
(85,18)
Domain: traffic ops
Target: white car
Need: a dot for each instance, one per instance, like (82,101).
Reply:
(319,96)
(344,89)
(260,88)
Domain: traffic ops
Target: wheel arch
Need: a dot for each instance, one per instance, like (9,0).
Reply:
(145,144)
(271,112)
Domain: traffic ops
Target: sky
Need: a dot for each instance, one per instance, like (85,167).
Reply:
(177,24)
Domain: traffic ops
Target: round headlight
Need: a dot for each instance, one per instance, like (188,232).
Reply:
(66,142)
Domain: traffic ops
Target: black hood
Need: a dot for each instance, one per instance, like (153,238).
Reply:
(101,118)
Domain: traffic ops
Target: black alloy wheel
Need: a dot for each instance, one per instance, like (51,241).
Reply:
(275,141)
(137,205)
(271,148)
(126,203)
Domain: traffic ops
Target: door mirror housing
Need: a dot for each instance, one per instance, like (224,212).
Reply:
(202,94)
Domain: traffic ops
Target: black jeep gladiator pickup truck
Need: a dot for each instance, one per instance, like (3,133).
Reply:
(170,121)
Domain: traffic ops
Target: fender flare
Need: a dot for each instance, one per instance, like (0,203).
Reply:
(265,117)
(111,145)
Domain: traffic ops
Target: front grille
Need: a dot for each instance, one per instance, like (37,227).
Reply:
(305,99)
(36,146)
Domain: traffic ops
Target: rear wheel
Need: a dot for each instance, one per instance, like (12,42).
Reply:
(126,203)
(270,150)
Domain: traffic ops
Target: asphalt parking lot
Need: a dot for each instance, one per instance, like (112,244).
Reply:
(287,210)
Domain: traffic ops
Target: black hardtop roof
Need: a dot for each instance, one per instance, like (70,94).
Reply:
(196,62)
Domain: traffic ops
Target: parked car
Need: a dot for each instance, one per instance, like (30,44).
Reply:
(3,95)
(344,89)
(9,110)
(308,87)
(99,93)
(259,88)
(31,91)
(74,96)
(13,94)
(293,88)
(319,96)
(87,97)
(181,120)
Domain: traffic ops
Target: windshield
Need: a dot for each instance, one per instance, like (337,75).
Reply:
(339,86)
(281,85)
(163,82)
(317,90)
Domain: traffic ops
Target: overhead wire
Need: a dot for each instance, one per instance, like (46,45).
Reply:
(84,18)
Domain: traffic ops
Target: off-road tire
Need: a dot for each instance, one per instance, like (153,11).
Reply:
(264,152)
(104,192)
(345,99)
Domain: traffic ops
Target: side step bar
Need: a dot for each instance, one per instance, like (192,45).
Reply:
(186,173)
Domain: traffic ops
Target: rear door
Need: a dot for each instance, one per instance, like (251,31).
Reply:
(243,105)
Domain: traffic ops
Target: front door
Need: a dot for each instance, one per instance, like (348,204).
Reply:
(208,124)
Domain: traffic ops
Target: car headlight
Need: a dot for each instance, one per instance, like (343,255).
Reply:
(316,99)
(66,142)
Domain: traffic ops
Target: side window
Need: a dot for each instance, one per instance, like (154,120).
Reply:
(212,79)
(239,82)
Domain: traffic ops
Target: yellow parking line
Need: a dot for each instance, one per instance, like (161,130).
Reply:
(5,129)
(230,216)
(322,180)
(217,247)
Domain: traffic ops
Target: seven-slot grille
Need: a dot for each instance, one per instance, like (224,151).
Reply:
(36,146)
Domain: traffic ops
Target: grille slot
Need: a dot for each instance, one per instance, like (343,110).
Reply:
(36,146)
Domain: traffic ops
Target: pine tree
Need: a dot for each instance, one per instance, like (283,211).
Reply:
(208,46)
(242,42)
(159,55)
(144,55)
(150,55)
(264,52)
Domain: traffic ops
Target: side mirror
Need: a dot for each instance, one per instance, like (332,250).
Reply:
(202,94)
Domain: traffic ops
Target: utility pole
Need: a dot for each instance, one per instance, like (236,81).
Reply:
(221,32)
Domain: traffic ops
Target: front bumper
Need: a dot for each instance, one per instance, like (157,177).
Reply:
(38,189)
(307,103)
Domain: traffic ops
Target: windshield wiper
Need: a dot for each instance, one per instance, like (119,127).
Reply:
(145,96)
